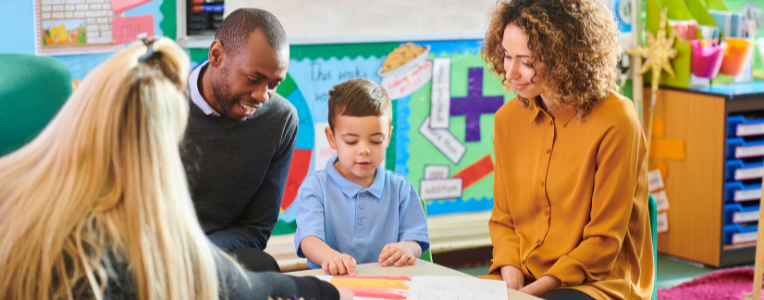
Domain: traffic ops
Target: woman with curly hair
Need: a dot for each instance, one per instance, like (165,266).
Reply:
(570,219)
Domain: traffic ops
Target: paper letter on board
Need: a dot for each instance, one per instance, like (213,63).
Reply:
(126,30)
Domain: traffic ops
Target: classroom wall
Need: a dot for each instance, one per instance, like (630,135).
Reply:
(17,19)
(314,69)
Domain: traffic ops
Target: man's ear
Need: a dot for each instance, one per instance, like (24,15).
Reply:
(330,138)
(216,54)
(390,134)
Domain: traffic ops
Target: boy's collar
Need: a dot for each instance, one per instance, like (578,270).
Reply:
(351,189)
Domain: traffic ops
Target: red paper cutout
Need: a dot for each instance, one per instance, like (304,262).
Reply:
(298,170)
(120,6)
(475,171)
(126,30)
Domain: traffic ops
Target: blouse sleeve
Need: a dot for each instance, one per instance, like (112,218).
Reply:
(618,166)
(506,243)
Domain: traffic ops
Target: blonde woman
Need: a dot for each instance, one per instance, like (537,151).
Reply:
(97,205)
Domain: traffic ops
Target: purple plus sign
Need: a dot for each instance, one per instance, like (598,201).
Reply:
(475,104)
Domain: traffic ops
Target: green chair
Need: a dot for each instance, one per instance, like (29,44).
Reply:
(427,255)
(654,232)
(32,91)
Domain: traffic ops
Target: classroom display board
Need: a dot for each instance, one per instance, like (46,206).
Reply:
(87,26)
(444,105)
(339,21)
(73,27)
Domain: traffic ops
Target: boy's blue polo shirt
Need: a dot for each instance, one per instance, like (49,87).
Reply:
(358,221)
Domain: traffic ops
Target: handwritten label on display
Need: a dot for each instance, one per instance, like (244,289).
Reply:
(661,200)
(444,141)
(436,172)
(662,222)
(747,195)
(750,173)
(752,129)
(742,217)
(654,180)
(440,188)
(750,151)
(441,93)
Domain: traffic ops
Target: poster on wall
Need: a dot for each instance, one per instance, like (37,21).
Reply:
(65,27)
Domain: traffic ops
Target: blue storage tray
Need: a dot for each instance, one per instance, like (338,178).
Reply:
(739,170)
(735,213)
(740,126)
(736,191)
(737,234)
(740,148)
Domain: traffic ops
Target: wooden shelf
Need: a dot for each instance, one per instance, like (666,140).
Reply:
(739,246)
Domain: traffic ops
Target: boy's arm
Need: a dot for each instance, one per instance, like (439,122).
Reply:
(413,223)
(413,238)
(330,260)
(309,238)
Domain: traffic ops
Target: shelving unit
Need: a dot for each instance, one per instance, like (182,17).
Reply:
(697,187)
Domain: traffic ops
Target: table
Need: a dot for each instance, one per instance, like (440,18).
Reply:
(420,268)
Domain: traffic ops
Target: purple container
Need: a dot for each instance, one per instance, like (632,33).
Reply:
(706,60)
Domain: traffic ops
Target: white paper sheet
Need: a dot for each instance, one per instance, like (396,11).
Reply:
(456,288)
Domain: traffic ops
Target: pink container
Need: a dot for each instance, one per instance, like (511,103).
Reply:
(707,57)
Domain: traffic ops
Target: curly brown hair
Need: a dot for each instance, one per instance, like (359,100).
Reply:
(575,40)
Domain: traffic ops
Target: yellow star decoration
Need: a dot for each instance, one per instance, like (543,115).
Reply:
(658,53)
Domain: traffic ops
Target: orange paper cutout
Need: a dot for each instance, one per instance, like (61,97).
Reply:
(667,149)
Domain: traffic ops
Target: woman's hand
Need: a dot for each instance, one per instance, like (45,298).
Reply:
(514,278)
(542,286)
(345,294)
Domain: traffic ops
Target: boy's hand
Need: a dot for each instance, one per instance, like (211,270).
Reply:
(339,265)
(398,254)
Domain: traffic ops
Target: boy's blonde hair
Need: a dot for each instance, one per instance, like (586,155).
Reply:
(358,97)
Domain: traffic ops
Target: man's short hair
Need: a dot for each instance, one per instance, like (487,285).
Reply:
(236,28)
(358,98)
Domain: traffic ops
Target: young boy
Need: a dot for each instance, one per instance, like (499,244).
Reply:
(355,210)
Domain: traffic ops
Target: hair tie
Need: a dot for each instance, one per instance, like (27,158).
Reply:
(149,42)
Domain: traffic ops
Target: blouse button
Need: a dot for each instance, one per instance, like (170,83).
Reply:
(546,212)
(542,183)
(522,262)
(547,151)
(538,241)
(551,123)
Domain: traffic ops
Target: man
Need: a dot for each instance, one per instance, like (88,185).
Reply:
(241,135)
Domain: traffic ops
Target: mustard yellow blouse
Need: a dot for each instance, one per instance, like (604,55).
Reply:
(571,197)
